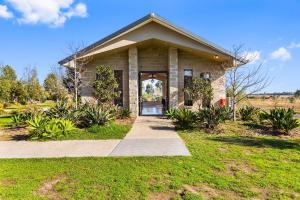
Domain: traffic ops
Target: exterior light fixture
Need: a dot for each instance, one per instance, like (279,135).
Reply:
(216,57)
(206,75)
(152,76)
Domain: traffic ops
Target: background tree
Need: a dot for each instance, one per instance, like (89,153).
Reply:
(72,80)
(158,85)
(105,85)
(7,83)
(54,87)
(32,86)
(297,94)
(8,73)
(149,89)
(19,93)
(242,79)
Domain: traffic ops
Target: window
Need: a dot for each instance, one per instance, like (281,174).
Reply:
(188,76)
(119,77)
(206,76)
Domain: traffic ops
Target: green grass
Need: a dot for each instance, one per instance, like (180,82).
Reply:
(5,121)
(109,131)
(225,166)
(20,108)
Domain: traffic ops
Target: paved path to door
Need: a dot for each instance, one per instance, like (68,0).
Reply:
(149,136)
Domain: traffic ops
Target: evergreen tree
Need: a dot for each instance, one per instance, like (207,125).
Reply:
(105,85)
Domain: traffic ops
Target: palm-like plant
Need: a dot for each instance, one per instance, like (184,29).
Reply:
(184,118)
(92,114)
(212,116)
(171,113)
(281,119)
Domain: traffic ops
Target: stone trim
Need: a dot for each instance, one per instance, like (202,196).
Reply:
(133,80)
(173,77)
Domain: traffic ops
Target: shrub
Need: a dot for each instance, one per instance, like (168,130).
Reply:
(21,119)
(124,113)
(212,116)
(184,118)
(60,110)
(94,115)
(281,119)
(45,128)
(170,114)
(248,113)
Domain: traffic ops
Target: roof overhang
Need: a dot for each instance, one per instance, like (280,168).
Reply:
(101,45)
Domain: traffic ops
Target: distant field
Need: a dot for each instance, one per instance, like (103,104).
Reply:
(271,102)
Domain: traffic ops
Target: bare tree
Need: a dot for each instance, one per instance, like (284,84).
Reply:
(73,83)
(243,80)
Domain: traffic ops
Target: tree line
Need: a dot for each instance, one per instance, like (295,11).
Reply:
(28,88)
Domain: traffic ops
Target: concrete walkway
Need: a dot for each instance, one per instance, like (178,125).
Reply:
(149,136)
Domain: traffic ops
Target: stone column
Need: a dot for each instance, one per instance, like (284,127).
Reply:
(173,77)
(133,80)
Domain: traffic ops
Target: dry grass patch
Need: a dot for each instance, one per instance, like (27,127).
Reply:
(7,182)
(161,195)
(47,189)
(234,166)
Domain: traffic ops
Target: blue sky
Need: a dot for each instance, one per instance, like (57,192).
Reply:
(37,33)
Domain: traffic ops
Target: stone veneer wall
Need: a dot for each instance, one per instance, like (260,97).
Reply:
(118,61)
(154,59)
(173,77)
(133,79)
(198,65)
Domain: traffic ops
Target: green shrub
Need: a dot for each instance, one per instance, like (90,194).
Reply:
(60,110)
(94,115)
(248,113)
(171,113)
(41,127)
(212,116)
(124,113)
(21,119)
(184,118)
(281,119)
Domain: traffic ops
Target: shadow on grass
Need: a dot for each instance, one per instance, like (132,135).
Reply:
(262,129)
(259,142)
(20,137)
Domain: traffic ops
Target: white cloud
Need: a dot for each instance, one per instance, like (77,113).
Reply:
(281,54)
(51,12)
(4,13)
(294,45)
(252,56)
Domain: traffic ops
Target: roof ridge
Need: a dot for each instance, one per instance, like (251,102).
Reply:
(151,16)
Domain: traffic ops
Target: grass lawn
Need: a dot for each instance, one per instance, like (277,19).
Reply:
(222,166)
(5,121)
(109,131)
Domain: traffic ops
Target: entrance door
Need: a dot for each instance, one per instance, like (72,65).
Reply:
(153,93)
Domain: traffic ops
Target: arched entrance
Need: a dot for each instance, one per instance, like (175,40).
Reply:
(153,93)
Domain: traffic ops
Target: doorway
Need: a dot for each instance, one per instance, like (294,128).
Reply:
(153,93)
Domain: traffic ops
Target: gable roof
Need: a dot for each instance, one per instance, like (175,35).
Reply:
(148,18)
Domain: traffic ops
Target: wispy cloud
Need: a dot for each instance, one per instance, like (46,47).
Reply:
(281,54)
(252,56)
(51,12)
(294,45)
(5,13)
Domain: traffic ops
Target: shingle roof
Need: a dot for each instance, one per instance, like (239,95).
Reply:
(150,16)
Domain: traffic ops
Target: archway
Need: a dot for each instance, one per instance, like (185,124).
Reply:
(153,93)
